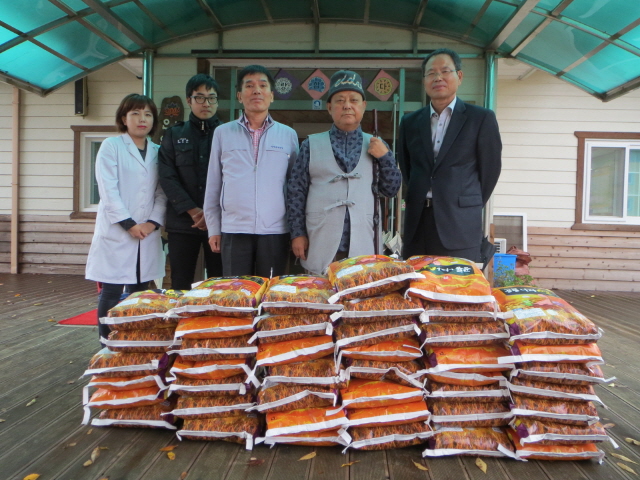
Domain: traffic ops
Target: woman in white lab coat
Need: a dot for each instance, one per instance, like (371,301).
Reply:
(126,250)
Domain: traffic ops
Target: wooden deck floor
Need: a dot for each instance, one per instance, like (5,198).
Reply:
(43,362)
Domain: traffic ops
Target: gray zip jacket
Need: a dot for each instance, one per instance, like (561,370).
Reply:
(242,195)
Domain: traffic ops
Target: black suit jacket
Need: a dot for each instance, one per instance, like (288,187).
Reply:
(461,178)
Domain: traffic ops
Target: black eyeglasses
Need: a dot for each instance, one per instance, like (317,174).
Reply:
(200,99)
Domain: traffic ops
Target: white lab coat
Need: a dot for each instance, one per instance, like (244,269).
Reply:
(129,188)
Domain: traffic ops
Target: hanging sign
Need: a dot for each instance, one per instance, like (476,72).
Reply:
(285,84)
(170,112)
(383,86)
(316,85)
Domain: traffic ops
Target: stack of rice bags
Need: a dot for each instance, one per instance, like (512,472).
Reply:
(376,338)
(462,337)
(213,368)
(299,394)
(129,371)
(556,356)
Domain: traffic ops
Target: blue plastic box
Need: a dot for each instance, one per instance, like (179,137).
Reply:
(504,263)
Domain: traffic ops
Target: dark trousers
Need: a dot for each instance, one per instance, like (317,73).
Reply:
(110,296)
(248,254)
(426,241)
(183,257)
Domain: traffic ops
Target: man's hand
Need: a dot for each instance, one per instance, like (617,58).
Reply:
(197,215)
(300,245)
(377,148)
(214,243)
(141,230)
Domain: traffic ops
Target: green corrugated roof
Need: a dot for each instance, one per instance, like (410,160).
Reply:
(593,44)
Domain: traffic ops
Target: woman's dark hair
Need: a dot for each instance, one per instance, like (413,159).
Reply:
(134,101)
(250,70)
(200,79)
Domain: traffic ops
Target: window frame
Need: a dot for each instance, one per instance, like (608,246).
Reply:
(582,175)
(80,135)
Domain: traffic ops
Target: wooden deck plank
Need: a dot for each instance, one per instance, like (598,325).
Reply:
(494,470)
(327,465)
(287,463)
(214,461)
(247,464)
(446,468)
(372,465)
(516,470)
(161,467)
(401,463)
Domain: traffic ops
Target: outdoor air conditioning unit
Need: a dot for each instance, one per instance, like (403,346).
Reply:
(500,244)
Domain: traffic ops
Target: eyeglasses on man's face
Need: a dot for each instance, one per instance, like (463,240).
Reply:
(201,99)
(442,74)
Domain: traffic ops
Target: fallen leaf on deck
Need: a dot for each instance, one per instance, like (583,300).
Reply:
(168,449)
(622,457)
(17,294)
(51,320)
(104,448)
(72,444)
(612,385)
(36,304)
(255,461)
(70,382)
(71,361)
(308,456)
(104,478)
(593,296)
(349,464)
(89,431)
(183,475)
(87,463)
(625,468)
(31,402)
(632,441)
(481,465)
(420,466)
(608,425)
(95,454)
(171,455)
(2,420)
(33,476)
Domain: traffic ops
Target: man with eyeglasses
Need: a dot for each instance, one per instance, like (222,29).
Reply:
(183,162)
(450,157)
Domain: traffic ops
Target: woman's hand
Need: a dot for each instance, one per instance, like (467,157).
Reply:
(141,230)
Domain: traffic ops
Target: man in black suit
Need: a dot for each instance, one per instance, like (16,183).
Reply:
(450,157)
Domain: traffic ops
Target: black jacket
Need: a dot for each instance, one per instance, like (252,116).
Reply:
(183,161)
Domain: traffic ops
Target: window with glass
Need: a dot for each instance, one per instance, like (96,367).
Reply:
(87,141)
(611,180)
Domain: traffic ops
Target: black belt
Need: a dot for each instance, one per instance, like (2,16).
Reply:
(428,202)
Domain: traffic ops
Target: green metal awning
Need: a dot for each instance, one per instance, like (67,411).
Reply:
(593,44)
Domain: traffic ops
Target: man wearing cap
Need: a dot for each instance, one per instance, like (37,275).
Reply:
(330,192)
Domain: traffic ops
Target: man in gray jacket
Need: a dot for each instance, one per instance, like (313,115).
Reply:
(244,203)
(330,192)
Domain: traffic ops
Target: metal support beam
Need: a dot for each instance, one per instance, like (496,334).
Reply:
(15,181)
(367,8)
(232,96)
(490,84)
(419,13)
(267,12)
(315,8)
(117,22)
(211,14)
(514,22)
(476,20)
(155,19)
(147,73)
(556,11)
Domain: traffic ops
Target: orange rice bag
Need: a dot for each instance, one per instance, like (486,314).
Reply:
(374,393)
(143,303)
(209,369)
(304,420)
(236,385)
(456,312)
(133,382)
(280,328)
(449,279)
(559,411)
(546,432)
(152,340)
(321,371)
(293,351)
(573,452)
(397,350)
(368,275)
(492,442)
(387,437)
(564,373)
(358,335)
(150,416)
(241,429)
(582,353)
(470,414)
(553,391)
(213,326)
(103,398)
(106,363)
(327,438)
(467,379)
(397,414)
(228,296)
(404,373)
(466,359)
(290,294)
(212,406)
(225,348)
(391,306)
(462,334)
(463,393)
(281,397)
